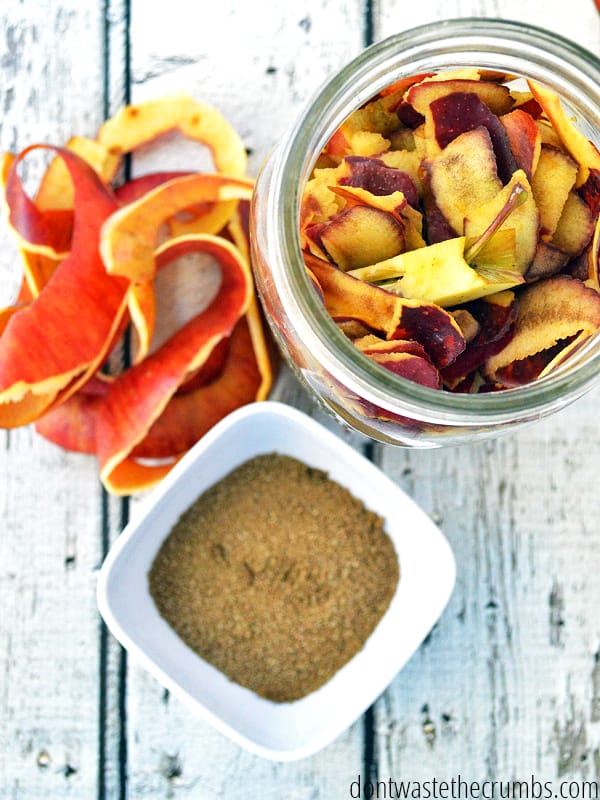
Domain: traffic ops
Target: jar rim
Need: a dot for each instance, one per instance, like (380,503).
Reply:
(514,47)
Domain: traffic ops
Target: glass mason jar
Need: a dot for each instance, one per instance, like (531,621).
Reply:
(370,399)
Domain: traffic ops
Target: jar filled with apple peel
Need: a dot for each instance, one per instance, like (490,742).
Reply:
(440,190)
(477,206)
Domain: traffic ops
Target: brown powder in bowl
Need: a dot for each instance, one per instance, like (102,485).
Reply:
(276,575)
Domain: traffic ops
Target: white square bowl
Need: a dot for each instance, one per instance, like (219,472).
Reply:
(281,731)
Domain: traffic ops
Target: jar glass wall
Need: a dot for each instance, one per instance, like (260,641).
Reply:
(374,401)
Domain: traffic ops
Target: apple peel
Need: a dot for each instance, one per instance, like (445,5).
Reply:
(495,317)
(72,424)
(507,197)
(37,268)
(524,138)
(56,188)
(593,260)
(68,353)
(129,237)
(358,236)
(397,317)
(410,367)
(379,179)
(581,149)
(137,125)
(139,396)
(77,310)
(231,375)
(188,416)
(406,358)
(46,233)
(550,312)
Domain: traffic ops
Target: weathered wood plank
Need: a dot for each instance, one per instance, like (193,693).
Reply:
(49,500)
(578,21)
(507,684)
(509,680)
(258,64)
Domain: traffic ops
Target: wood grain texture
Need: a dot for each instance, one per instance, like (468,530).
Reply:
(508,682)
(49,500)
(259,82)
(578,20)
(60,707)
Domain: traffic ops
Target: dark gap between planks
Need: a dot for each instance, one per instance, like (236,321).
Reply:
(370,766)
(108,81)
(369,756)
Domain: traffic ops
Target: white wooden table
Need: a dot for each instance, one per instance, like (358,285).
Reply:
(507,684)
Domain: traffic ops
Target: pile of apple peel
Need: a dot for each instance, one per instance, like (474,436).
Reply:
(451,228)
(91,253)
